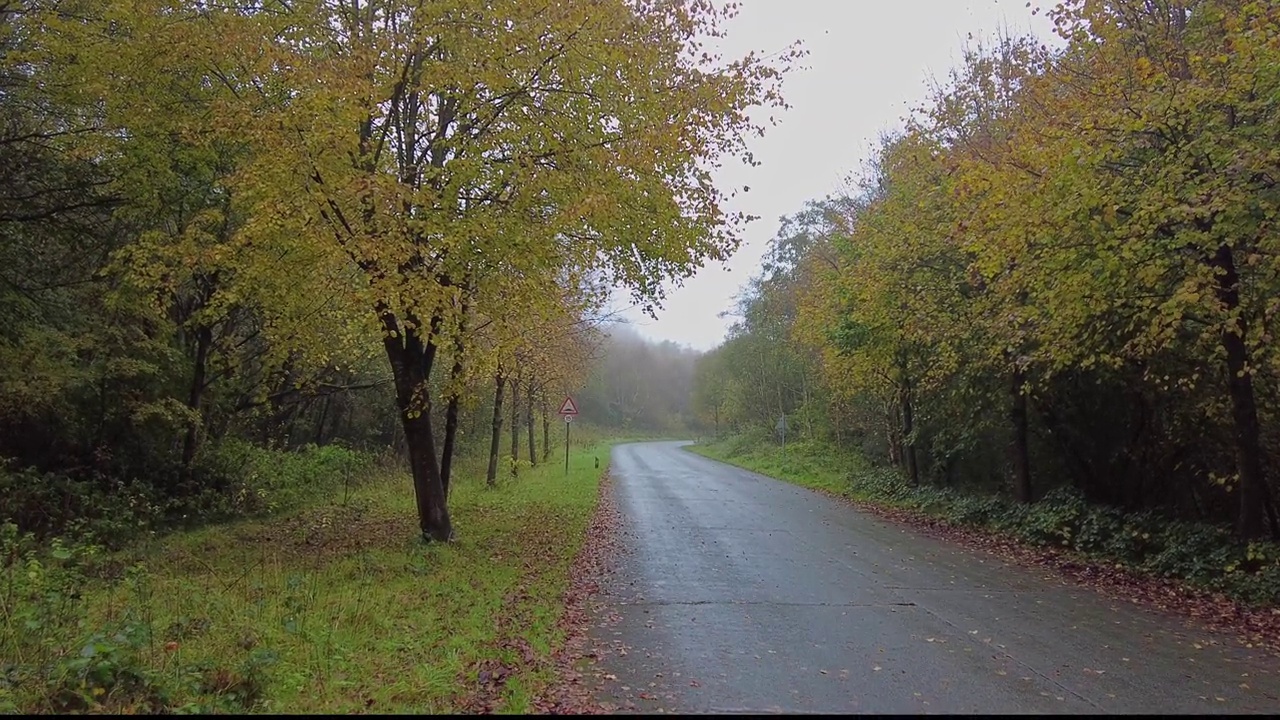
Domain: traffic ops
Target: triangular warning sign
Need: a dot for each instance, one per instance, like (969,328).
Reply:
(568,407)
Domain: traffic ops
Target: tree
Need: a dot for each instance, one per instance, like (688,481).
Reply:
(462,141)
(1179,99)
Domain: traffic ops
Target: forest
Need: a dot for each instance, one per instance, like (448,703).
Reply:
(240,234)
(291,292)
(1060,275)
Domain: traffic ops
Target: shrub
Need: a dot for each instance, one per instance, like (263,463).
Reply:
(1198,553)
(238,479)
(52,660)
(232,479)
(1203,555)
(49,503)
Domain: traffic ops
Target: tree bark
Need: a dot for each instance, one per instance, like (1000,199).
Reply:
(324,416)
(533,451)
(499,383)
(450,441)
(515,427)
(1244,409)
(546,430)
(1019,454)
(451,411)
(908,426)
(195,395)
(450,425)
(411,361)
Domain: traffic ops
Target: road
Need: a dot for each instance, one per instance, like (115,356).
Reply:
(739,593)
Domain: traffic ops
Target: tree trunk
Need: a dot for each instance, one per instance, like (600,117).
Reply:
(533,451)
(1019,455)
(833,412)
(450,440)
(451,411)
(908,426)
(515,427)
(893,435)
(499,383)
(804,390)
(411,362)
(195,395)
(1244,410)
(546,431)
(324,415)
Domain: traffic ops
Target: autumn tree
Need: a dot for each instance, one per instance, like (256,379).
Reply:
(445,147)
(1180,101)
(1062,267)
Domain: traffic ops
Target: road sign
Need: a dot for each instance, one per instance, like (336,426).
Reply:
(568,407)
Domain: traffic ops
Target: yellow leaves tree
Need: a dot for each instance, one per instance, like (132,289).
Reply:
(1179,110)
(444,147)
(245,299)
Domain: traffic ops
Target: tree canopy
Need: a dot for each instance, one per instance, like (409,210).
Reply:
(1062,270)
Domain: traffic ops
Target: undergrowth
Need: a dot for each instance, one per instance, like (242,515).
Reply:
(229,480)
(1204,556)
(334,606)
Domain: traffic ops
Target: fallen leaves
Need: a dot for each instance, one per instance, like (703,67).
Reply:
(569,693)
(1255,627)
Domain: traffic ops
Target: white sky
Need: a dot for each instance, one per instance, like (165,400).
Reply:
(868,64)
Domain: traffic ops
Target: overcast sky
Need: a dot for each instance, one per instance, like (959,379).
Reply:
(869,62)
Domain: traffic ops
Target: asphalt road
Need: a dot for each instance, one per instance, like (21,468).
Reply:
(739,593)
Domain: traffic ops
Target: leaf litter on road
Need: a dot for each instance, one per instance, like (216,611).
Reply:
(1254,627)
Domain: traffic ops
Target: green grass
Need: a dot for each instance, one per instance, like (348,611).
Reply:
(807,464)
(334,608)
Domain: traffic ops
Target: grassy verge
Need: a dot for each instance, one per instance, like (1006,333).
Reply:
(334,608)
(1205,557)
(810,465)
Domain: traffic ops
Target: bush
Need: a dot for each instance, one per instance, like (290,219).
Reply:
(1198,553)
(1203,555)
(1098,531)
(232,479)
(39,600)
(48,503)
(1055,520)
(52,660)
(975,510)
(747,443)
(239,479)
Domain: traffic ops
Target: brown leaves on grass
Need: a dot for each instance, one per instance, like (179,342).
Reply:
(331,531)
(312,538)
(570,694)
(1255,627)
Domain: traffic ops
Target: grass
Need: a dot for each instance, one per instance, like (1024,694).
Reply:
(807,464)
(336,608)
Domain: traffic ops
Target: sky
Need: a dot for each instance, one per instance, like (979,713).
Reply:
(869,62)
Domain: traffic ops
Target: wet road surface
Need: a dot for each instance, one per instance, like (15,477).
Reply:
(740,593)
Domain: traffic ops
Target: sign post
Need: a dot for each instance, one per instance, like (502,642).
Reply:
(568,409)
